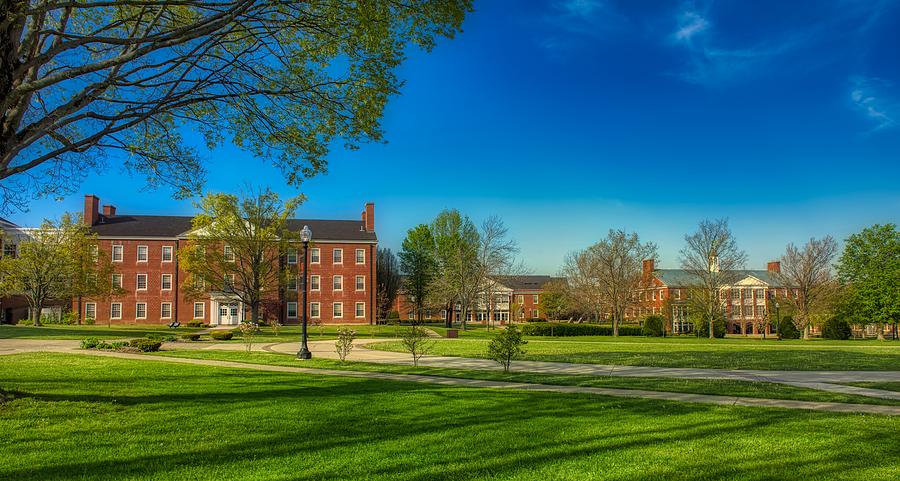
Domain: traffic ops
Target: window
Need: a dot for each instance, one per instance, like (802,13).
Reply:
(735,294)
(338,309)
(229,254)
(141,282)
(292,283)
(535,299)
(748,311)
(654,295)
(760,294)
(315,311)
(337,256)
(115,310)
(314,255)
(167,253)
(292,310)
(746,293)
(90,310)
(520,299)
(140,310)
(166,282)
(661,293)
(360,256)
(360,283)
(337,283)
(165,310)
(292,256)
(229,282)
(735,311)
(360,310)
(9,250)
(535,313)
(118,253)
(314,282)
(197,282)
(199,310)
(142,253)
(678,294)
(117,280)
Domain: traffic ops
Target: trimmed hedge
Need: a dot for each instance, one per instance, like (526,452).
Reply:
(654,326)
(787,329)
(559,329)
(837,329)
(221,335)
(145,345)
(191,337)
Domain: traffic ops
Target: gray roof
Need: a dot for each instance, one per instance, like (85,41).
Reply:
(524,283)
(682,278)
(171,226)
(7,224)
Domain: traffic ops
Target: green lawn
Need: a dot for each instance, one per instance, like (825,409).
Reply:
(719,387)
(78,417)
(691,352)
(887,386)
(58,331)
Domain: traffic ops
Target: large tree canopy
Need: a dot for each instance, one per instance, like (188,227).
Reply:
(281,79)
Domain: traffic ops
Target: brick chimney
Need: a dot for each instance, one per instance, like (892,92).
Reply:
(109,211)
(91,209)
(774,266)
(647,267)
(368,217)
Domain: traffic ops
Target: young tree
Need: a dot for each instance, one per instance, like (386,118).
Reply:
(456,242)
(711,255)
(388,277)
(553,299)
(418,263)
(236,247)
(41,270)
(417,342)
(279,78)
(91,268)
(617,262)
(507,346)
(808,270)
(870,264)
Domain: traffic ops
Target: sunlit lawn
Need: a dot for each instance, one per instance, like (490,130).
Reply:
(79,417)
(60,331)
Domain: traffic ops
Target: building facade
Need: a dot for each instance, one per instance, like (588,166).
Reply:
(144,250)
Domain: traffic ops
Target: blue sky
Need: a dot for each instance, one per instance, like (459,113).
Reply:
(571,117)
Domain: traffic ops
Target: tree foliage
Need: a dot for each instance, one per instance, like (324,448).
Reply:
(419,265)
(870,264)
(457,242)
(507,346)
(281,79)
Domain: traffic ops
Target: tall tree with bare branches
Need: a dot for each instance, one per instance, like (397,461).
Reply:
(712,257)
(583,289)
(281,79)
(496,259)
(808,270)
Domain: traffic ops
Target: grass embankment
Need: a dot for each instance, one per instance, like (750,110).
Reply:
(79,417)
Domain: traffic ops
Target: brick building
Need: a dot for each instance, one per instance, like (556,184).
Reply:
(744,302)
(144,250)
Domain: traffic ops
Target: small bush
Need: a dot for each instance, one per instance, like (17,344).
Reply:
(25,322)
(161,338)
(393,316)
(787,329)
(145,345)
(196,324)
(90,343)
(654,326)
(701,328)
(837,329)
(221,335)
(416,341)
(506,346)
(191,337)
(561,329)
(89,321)
(344,343)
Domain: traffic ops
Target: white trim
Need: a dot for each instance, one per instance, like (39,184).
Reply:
(162,284)
(288,310)
(292,252)
(137,254)
(162,313)
(94,305)
(137,284)
(171,253)
(318,252)
(335,304)
(111,316)
(356,310)
(335,251)
(356,254)
(356,283)
(318,285)
(202,310)
(311,312)
(121,253)
(113,280)
(136,310)
(339,289)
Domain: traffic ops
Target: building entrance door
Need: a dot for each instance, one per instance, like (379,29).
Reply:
(228,314)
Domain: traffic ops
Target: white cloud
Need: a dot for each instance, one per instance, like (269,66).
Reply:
(871,96)
(690,23)
(581,8)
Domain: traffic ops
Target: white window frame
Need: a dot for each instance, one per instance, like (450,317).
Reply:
(357,283)
(357,310)
(137,282)
(339,252)
(117,284)
(137,310)
(171,252)
(535,299)
(339,305)
(315,283)
(202,310)
(360,254)
(291,305)
(315,256)
(228,253)
(520,299)
(162,282)
(146,251)
(112,310)
(121,250)
(162,310)
(292,256)
(87,307)
(315,310)
(339,280)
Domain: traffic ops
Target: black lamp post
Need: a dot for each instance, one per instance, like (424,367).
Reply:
(777,320)
(305,237)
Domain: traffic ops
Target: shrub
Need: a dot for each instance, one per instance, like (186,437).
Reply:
(393,316)
(654,326)
(837,329)
(416,341)
(196,324)
(787,329)
(89,321)
(25,322)
(145,345)
(191,337)
(161,338)
(90,343)
(719,328)
(248,332)
(561,329)
(535,319)
(221,335)
(506,346)
(344,342)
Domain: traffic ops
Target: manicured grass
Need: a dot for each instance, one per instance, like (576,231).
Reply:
(887,386)
(719,387)
(691,352)
(80,417)
(58,331)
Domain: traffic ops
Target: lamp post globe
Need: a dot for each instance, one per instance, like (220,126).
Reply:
(305,237)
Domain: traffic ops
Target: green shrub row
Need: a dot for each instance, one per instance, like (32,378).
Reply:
(560,329)
(221,335)
(654,326)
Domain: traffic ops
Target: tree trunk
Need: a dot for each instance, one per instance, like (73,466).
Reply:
(616,325)
(254,312)
(36,316)
(806,332)
(880,332)
(78,316)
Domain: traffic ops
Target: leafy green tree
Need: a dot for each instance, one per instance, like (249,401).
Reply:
(507,346)
(91,268)
(553,299)
(417,342)
(40,271)
(870,264)
(418,263)
(457,242)
(236,246)
(281,79)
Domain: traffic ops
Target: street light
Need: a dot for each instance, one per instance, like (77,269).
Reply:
(305,237)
